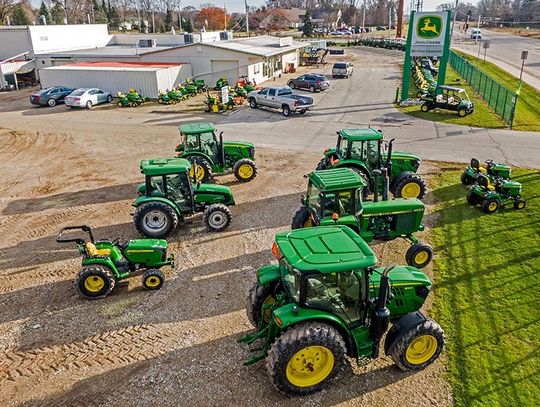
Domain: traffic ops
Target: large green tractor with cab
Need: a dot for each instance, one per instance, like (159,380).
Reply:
(168,196)
(326,299)
(106,262)
(365,150)
(334,197)
(211,155)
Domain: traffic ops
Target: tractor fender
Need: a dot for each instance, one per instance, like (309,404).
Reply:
(105,261)
(197,154)
(268,274)
(400,325)
(143,199)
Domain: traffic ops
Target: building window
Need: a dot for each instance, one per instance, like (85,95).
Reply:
(45,38)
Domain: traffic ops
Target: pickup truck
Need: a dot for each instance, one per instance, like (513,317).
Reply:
(280,98)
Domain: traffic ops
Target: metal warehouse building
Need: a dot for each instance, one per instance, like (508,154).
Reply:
(147,77)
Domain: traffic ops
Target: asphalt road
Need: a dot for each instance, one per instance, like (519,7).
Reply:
(505,51)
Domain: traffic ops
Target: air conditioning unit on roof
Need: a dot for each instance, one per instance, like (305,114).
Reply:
(147,43)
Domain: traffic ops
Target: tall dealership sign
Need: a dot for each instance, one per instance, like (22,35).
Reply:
(429,36)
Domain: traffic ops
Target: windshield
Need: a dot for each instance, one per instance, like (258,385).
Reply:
(341,203)
(291,279)
(78,92)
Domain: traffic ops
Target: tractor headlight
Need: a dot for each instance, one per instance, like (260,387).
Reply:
(415,164)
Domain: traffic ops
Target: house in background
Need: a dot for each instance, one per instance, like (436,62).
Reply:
(283,18)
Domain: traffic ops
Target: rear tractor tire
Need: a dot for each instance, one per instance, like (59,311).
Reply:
(466,179)
(302,219)
(155,219)
(217,217)
(258,297)
(424,108)
(472,199)
(245,170)
(419,255)
(94,282)
(321,164)
(153,279)
(306,358)
(409,185)
(462,112)
(200,170)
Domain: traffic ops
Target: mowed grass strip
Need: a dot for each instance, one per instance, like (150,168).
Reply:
(487,293)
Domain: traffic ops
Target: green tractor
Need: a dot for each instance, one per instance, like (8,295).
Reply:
(491,196)
(334,197)
(365,150)
(326,300)
(168,196)
(491,170)
(106,262)
(211,155)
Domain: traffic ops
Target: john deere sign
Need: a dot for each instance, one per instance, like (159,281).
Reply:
(429,27)
(429,34)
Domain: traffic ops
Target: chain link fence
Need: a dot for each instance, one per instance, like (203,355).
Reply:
(500,99)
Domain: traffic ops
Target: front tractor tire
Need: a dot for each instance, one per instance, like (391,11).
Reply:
(245,170)
(302,218)
(258,297)
(153,279)
(94,282)
(306,358)
(217,217)
(200,170)
(490,205)
(409,185)
(155,219)
(425,107)
(419,255)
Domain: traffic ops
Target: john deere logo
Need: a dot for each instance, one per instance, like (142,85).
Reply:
(429,27)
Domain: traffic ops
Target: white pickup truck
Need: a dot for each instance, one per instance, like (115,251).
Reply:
(280,98)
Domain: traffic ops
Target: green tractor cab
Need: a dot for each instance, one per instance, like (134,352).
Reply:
(325,300)
(365,150)
(168,196)
(211,155)
(334,197)
(448,98)
(491,170)
(105,262)
(491,196)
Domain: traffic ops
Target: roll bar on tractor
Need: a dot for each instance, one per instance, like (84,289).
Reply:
(78,240)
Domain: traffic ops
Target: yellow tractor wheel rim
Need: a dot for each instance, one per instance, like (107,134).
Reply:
(492,206)
(421,257)
(152,281)
(310,366)
(421,349)
(410,190)
(198,170)
(268,312)
(308,223)
(94,284)
(245,171)
(521,205)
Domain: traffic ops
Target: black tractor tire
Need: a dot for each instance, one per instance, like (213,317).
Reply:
(425,107)
(89,105)
(462,112)
(472,199)
(321,165)
(286,111)
(253,103)
(490,205)
(238,173)
(201,164)
(300,338)
(312,89)
(258,295)
(153,279)
(89,279)
(367,189)
(419,255)
(520,204)
(51,102)
(404,181)
(302,219)
(402,342)
(162,211)
(217,217)
(466,179)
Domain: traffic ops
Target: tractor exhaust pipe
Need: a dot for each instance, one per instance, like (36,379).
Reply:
(380,317)
(376,175)
(389,155)
(385,184)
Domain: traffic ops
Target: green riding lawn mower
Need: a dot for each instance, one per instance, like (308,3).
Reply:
(326,300)
(132,99)
(211,155)
(365,150)
(168,196)
(491,170)
(491,195)
(106,262)
(334,197)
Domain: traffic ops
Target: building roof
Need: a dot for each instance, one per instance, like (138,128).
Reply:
(110,51)
(120,66)
(263,45)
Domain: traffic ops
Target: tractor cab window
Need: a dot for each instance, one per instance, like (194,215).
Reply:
(366,151)
(291,279)
(341,203)
(338,292)
(156,185)
(358,206)
(179,189)
(208,144)
(313,196)
(191,142)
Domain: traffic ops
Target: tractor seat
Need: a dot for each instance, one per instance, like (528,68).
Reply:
(93,251)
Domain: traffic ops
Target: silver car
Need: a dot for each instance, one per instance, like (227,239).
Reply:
(87,97)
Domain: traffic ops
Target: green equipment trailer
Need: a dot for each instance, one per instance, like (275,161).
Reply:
(491,196)
(168,196)
(325,300)
(334,197)
(211,155)
(491,170)
(365,150)
(106,262)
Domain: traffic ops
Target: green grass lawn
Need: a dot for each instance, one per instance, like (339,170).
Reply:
(487,293)
(527,116)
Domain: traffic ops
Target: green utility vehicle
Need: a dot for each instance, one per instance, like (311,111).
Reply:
(365,150)
(492,170)
(448,98)
(168,196)
(210,154)
(106,262)
(334,197)
(491,196)
(327,299)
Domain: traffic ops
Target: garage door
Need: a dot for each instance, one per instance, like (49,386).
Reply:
(222,68)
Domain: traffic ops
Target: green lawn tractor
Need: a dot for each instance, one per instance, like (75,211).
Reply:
(106,262)
(132,98)
(221,82)
(334,197)
(326,300)
(491,196)
(168,196)
(211,155)
(171,97)
(491,170)
(365,150)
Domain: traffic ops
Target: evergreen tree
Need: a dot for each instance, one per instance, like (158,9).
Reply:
(168,20)
(187,26)
(44,11)
(57,13)
(19,16)
(100,16)
(114,19)
(308,25)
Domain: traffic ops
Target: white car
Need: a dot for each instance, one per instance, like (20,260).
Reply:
(87,97)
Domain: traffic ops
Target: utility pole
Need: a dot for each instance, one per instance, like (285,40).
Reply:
(399,18)
(389,16)
(153,22)
(225,16)
(364,19)
(247,17)
(455,16)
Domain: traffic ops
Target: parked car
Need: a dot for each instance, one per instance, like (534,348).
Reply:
(476,34)
(50,96)
(280,98)
(337,33)
(343,69)
(381,28)
(87,97)
(311,82)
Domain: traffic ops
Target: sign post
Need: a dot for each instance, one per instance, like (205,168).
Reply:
(225,95)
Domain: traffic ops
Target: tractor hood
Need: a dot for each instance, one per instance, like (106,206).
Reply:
(211,193)
(401,276)
(401,155)
(238,144)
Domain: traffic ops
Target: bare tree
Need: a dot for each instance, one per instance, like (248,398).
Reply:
(6,7)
